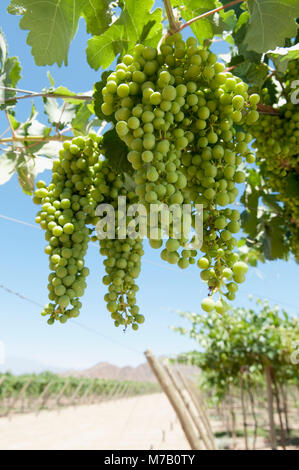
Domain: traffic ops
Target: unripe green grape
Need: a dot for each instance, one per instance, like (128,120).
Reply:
(203,263)
(172,245)
(240,268)
(222,199)
(208,304)
(239,177)
(173,257)
(133,122)
(234,227)
(238,102)
(254,99)
(169,93)
(122,128)
(183,263)
(221,306)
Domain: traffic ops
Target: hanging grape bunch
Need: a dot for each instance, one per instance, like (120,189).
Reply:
(66,209)
(176,110)
(277,151)
(122,263)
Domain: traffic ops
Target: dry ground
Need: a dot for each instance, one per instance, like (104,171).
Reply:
(142,422)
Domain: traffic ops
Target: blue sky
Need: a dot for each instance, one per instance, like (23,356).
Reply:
(163,288)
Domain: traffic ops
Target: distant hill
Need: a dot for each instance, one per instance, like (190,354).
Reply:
(141,373)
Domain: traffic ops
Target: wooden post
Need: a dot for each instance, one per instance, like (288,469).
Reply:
(43,397)
(175,401)
(61,393)
(190,407)
(204,419)
(197,395)
(17,397)
(71,402)
(285,407)
(276,393)
(113,391)
(124,391)
(87,391)
(243,410)
(270,408)
(251,398)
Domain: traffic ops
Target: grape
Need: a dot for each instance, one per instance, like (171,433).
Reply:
(208,304)
(175,110)
(276,143)
(240,268)
(68,226)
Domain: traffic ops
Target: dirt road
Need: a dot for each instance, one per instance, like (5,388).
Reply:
(142,422)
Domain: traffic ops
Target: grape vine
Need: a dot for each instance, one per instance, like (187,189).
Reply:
(176,109)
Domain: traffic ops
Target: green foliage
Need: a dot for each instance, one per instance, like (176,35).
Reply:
(98,16)
(254,74)
(8,165)
(52,25)
(136,23)
(10,73)
(203,29)
(260,32)
(115,151)
(242,339)
(13,384)
(281,56)
(271,22)
(59,116)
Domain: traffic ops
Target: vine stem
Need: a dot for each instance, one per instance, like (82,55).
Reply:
(10,124)
(49,95)
(204,15)
(34,139)
(267,109)
(174,26)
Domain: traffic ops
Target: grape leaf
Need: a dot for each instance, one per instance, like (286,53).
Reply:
(65,92)
(253,74)
(203,29)
(52,24)
(239,35)
(10,73)
(275,243)
(50,150)
(270,23)
(29,166)
(80,121)
(116,151)
(98,16)
(236,8)
(26,175)
(281,56)
(3,49)
(8,165)
(224,21)
(125,32)
(292,185)
(59,115)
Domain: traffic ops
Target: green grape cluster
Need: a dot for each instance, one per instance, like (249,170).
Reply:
(122,253)
(277,150)
(177,110)
(66,209)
